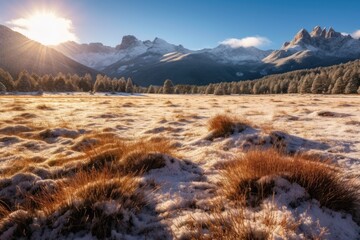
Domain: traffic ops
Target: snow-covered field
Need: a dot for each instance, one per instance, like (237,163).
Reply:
(47,141)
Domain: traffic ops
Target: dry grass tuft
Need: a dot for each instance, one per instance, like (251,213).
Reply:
(239,224)
(18,165)
(93,201)
(124,156)
(223,125)
(44,107)
(322,181)
(220,227)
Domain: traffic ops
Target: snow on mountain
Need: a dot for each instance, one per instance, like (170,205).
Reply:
(320,43)
(228,54)
(98,56)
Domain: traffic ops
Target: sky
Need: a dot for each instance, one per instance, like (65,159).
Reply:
(195,24)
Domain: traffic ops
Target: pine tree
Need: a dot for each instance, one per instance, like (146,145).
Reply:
(209,89)
(352,85)
(306,85)
(293,86)
(339,86)
(2,88)
(23,84)
(151,89)
(168,87)
(7,80)
(60,83)
(235,89)
(129,86)
(194,90)
(219,90)
(317,85)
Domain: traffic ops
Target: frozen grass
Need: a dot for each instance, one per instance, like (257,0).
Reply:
(96,202)
(242,180)
(139,167)
(223,125)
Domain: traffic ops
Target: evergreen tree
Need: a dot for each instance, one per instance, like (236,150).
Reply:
(352,85)
(23,84)
(60,83)
(210,89)
(2,88)
(235,89)
(293,87)
(129,86)
(7,80)
(339,86)
(219,90)
(317,85)
(151,89)
(194,90)
(168,87)
(306,85)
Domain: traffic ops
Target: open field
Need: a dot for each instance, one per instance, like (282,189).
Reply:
(151,167)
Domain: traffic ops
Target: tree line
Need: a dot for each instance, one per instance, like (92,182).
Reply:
(338,79)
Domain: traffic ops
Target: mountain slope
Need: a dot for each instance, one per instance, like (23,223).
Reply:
(151,62)
(20,53)
(321,47)
(98,56)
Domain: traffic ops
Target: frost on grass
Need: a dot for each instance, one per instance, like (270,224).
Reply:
(138,167)
(98,194)
(223,125)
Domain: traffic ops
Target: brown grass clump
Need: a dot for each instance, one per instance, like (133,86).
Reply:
(19,165)
(124,156)
(89,201)
(322,181)
(223,125)
(239,224)
(44,107)
(224,228)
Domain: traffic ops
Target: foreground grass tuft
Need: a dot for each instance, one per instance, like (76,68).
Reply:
(223,125)
(323,182)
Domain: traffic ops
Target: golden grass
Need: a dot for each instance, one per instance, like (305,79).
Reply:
(119,155)
(44,107)
(223,125)
(81,202)
(239,224)
(19,165)
(323,182)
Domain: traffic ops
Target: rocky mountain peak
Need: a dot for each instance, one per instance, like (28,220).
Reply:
(127,42)
(302,35)
(316,32)
(332,33)
(323,33)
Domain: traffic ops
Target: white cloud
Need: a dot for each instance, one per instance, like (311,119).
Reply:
(246,42)
(356,34)
(46,28)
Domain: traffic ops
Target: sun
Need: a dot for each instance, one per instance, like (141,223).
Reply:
(46,28)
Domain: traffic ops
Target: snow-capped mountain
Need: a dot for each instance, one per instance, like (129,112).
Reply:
(321,44)
(151,62)
(227,54)
(98,56)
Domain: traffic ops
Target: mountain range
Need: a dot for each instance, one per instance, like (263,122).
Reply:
(20,53)
(151,62)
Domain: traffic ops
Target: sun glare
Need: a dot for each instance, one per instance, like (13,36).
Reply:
(46,28)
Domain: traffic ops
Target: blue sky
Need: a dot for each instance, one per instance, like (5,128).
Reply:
(194,23)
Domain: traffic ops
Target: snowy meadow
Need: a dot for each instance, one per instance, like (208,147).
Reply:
(159,166)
